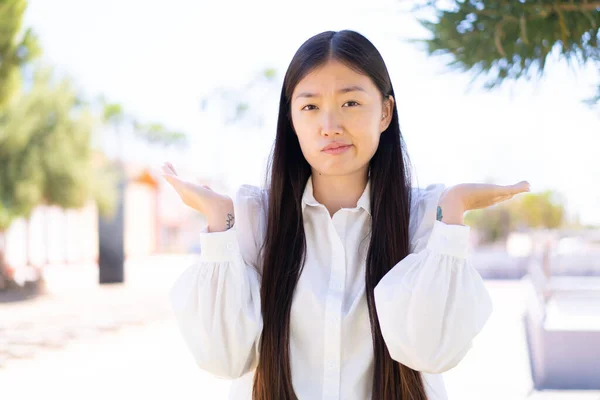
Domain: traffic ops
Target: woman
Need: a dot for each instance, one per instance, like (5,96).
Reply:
(338,280)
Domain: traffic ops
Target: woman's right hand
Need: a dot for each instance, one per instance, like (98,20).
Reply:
(216,207)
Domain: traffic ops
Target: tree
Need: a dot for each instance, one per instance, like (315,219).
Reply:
(241,109)
(17,48)
(545,210)
(45,151)
(107,173)
(236,103)
(111,228)
(122,123)
(47,157)
(157,134)
(509,40)
(542,210)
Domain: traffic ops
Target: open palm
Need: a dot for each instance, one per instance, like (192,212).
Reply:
(200,197)
(481,195)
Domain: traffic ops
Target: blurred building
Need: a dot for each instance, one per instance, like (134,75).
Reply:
(569,252)
(156,221)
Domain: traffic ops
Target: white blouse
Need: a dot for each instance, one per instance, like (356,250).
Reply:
(430,305)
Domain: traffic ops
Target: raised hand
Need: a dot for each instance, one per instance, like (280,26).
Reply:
(216,207)
(481,195)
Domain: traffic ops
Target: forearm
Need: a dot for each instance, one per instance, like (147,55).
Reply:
(450,209)
(221,220)
(221,223)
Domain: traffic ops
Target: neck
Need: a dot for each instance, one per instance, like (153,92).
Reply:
(336,192)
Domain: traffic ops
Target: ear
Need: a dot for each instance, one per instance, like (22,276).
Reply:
(386,113)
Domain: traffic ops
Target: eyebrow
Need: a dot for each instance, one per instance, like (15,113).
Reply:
(341,91)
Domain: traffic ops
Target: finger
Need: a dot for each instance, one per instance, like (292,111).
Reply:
(166,170)
(503,198)
(173,180)
(511,190)
(521,187)
(168,167)
(496,191)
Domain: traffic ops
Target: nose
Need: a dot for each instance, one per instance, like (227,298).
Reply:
(330,124)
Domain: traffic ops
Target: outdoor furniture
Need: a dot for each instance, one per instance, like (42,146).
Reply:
(562,324)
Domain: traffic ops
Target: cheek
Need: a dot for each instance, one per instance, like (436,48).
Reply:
(303,133)
(305,146)
(362,129)
(308,143)
(306,132)
(368,146)
(365,131)
(299,124)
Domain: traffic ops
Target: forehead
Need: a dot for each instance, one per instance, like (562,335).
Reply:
(333,76)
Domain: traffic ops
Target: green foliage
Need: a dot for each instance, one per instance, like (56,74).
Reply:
(45,150)
(107,173)
(115,117)
(493,223)
(512,39)
(239,104)
(270,74)
(113,114)
(106,176)
(545,210)
(46,155)
(156,133)
(16,48)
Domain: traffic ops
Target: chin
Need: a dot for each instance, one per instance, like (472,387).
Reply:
(337,170)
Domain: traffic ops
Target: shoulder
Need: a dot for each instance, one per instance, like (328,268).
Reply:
(250,204)
(423,210)
(250,195)
(250,207)
(424,197)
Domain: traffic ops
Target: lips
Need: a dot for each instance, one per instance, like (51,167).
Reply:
(335,146)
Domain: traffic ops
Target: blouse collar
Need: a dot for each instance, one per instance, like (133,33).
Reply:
(308,197)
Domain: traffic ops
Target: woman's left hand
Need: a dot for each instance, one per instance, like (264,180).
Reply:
(473,196)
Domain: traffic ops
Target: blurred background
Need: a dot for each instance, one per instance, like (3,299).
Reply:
(96,95)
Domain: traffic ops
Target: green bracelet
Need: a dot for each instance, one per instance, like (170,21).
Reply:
(439,213)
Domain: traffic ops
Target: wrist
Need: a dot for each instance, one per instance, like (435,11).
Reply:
(222,221)
(450,209)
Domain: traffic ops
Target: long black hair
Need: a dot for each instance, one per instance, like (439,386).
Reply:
(284,247)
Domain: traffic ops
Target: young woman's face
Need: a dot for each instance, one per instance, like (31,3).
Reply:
(336,104)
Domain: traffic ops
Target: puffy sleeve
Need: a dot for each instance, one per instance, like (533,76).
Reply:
(432,303)
(216,301)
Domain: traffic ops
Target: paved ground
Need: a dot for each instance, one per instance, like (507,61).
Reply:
(120,342)
(77,308)
(497,368)
(143,362)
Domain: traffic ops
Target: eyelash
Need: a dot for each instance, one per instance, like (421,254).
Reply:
(312,105)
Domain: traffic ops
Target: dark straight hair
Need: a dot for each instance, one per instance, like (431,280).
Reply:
(284,247)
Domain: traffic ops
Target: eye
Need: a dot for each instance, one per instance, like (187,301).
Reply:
(351,103)
(309,107)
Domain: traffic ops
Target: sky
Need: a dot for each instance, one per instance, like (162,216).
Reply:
(159,61)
